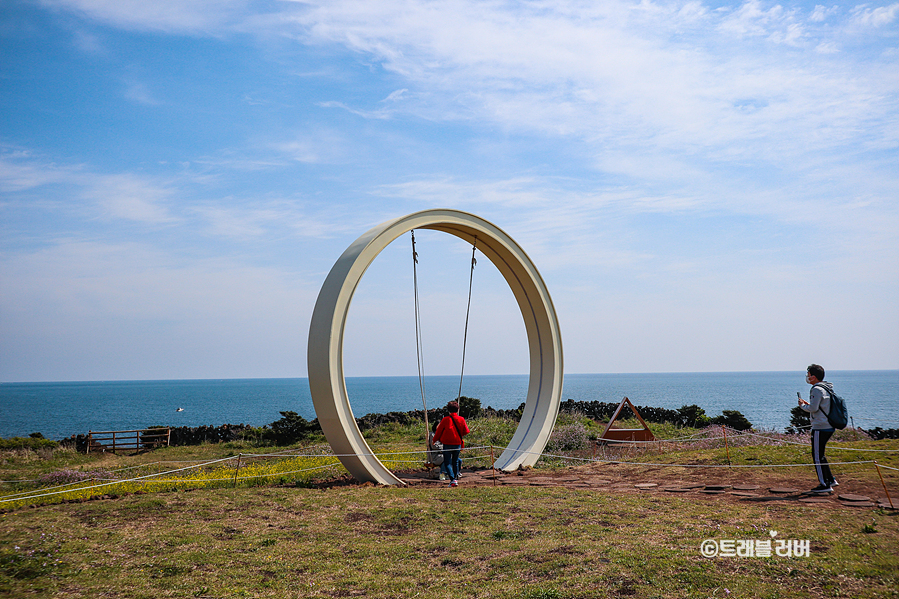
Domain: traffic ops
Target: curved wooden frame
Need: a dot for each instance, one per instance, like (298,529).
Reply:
(326,333)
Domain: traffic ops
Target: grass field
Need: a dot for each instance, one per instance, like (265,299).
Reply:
(279,537)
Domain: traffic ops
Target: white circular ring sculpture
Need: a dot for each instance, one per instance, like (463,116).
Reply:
(326,332)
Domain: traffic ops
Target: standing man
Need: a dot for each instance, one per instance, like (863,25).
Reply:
(818,407)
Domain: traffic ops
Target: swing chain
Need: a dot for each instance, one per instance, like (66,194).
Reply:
(418,337)
(418,345)
(474,261)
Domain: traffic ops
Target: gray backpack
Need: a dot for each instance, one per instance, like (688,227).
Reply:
(838,417)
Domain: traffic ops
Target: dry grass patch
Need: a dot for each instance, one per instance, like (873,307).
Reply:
(280,540)
(437,542)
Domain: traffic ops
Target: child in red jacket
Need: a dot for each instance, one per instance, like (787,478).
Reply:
(450,432)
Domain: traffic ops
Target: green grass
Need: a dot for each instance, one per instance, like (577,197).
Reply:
(268,537)
(407,542)
(400,447)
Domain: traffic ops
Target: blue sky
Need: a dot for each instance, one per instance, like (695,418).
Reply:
(704,187)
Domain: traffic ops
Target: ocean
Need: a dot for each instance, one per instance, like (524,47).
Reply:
(58,410)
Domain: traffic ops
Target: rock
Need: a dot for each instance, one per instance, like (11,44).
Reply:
(851,497)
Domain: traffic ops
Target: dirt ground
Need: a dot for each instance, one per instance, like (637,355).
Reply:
(701,484)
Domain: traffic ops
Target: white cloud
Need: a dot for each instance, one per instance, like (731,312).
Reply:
(118,196)
(666,75)
(176,16)
(793,35)
(609,74)
(396,96)
(130,197)
(752,19)
(827,48)
(316,145)
(166,201)
(692,12)
(366,114)
(299,150)
(707,151)
(821,13)
(248,220)
(20,170)
(876,17)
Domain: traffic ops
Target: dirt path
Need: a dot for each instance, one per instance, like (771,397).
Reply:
(701,484)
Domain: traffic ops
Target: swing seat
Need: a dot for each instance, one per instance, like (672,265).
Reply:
(627,434)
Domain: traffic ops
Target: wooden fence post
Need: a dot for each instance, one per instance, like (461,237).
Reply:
(236,470)
(885,490)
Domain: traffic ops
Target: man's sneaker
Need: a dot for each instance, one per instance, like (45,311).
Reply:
(821,490)
(455,483)
(834,483)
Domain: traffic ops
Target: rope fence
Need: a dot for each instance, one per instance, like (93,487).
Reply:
(299,463)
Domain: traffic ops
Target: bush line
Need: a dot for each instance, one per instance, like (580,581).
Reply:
(293,428)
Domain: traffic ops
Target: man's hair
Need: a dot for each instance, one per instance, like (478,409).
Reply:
(817,371)
(453,406)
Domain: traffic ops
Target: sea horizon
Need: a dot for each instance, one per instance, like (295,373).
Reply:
(59,409)
(266,378)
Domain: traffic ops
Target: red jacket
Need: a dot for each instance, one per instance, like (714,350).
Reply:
(449,429)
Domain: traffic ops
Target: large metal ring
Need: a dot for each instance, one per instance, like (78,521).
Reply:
(325,350)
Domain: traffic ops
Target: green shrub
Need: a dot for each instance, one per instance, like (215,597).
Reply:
(291,428)
(733,419)
(28,443)
(491,430)
(469,407)
(254,435)
(693,416)
(799,421)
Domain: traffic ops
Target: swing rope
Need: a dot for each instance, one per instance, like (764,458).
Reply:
(418,345)
(467,314)
(419,351)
